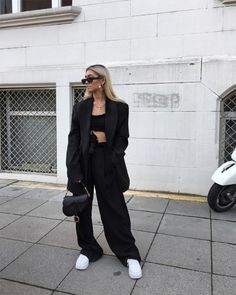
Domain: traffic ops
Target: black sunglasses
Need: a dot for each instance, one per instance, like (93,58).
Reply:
(89,80)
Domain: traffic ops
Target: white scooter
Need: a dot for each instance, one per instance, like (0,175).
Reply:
(222,194)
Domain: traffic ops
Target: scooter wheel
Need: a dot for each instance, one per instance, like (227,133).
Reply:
(221,198)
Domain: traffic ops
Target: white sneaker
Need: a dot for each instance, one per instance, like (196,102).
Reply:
(82,262)
(135,271)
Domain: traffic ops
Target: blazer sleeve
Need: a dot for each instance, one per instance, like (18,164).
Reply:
(122,131)
(74,172)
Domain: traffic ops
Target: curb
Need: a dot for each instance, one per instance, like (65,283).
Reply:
(147,194)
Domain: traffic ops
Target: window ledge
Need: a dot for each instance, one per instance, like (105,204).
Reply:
(41,16)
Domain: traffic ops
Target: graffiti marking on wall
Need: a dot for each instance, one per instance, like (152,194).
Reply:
(156,100)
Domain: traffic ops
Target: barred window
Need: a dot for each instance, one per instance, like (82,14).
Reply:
(5,6)
(66,2)
(41,4)
(228,127)
(44,12)
(35,4)
(28,130)
(77,93)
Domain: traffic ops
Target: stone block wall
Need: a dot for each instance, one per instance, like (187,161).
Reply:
(170,60)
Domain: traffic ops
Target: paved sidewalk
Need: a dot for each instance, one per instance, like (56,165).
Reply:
(186,249)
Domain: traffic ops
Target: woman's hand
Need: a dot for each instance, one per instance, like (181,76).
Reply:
(101,136)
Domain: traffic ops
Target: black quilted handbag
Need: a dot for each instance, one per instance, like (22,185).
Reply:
(75,204)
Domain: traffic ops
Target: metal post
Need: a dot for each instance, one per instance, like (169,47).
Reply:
(56,3)
(16,6)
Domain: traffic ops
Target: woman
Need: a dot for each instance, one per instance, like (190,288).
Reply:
(95,154)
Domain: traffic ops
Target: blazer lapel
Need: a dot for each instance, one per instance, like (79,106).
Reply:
(85,119)
(110,120)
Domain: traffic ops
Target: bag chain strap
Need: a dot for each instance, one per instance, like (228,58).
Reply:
(87,192)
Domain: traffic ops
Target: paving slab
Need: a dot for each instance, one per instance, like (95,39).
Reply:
(71,219)
(5,199)
(224,259)
(20,205)
(29,229)
(49,210)
(165,280)
(6,219)
(143,241)
(42,194)
(59,197)
(10,250)
(128,198)
(224,231)
(64,235)
(14,288)
(13,191)
(228,215)
(185,226)
(97,230)
(178,259)
(41,265)
(182,252)
(95,201)
(145,221)
(105,276)
(194,209)
(224,285)
(5,182)
(148,204)
(96,215)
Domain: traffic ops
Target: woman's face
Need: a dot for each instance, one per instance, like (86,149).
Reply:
(94,85)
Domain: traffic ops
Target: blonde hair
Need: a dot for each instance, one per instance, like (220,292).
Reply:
(103,72)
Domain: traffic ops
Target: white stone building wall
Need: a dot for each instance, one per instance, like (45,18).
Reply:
(170,60)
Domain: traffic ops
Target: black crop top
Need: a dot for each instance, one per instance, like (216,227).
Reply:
(98,123)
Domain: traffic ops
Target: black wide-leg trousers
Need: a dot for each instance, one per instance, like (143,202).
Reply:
(113,211)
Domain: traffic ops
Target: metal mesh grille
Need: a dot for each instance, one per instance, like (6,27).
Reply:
(78,93)
(228,127)
(28,130)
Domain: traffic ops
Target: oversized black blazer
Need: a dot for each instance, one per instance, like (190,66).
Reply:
(117,133)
